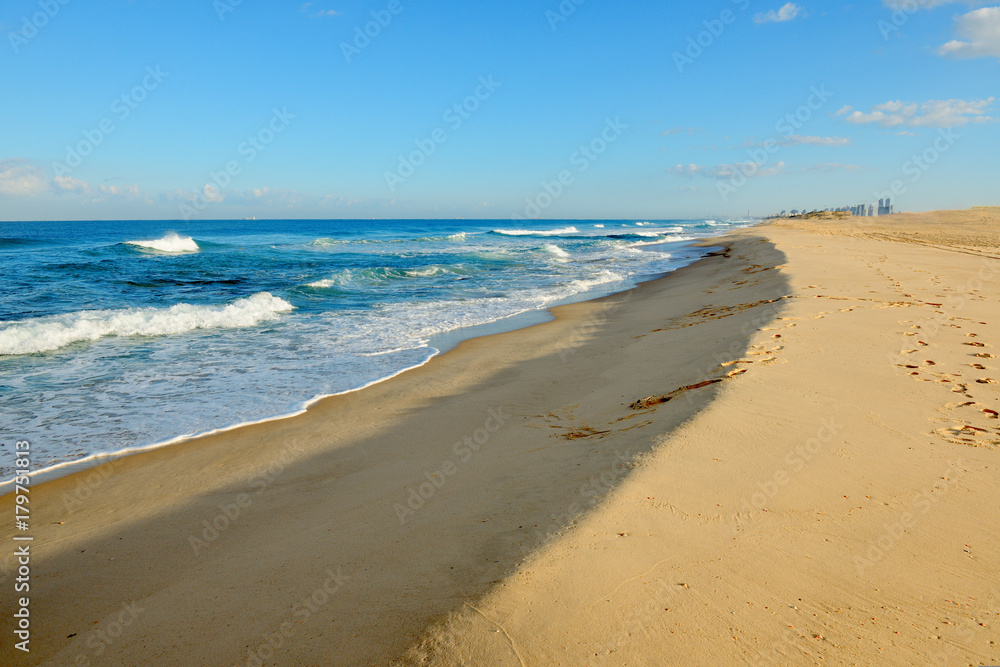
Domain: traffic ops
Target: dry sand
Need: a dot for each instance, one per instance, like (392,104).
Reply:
(787,453)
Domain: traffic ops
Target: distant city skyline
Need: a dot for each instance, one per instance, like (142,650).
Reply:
(885,207)
(205,109)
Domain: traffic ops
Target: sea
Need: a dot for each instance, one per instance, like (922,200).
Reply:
(119,336)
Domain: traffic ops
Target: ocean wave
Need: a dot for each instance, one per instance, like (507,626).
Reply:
(535,232)
(553,249)
(660,241)
(635,235)
(599,226)
(379,276)
(172,243)
(391,350)
(51,333)
(602,278)
(326,241)
(453,238)
(15,243)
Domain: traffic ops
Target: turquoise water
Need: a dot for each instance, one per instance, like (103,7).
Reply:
(117,335)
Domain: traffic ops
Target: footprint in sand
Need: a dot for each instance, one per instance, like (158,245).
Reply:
(764,350)
(966,434)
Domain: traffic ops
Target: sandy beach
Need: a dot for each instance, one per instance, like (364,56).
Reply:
(786,453)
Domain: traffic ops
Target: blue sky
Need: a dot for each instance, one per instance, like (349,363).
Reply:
(557,109)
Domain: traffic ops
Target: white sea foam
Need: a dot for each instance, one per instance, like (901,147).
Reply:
(326,241)
(51,333)
(602,278)
(556,250)
(172,243)
(426,272)
(599,226)
(665,239)
(535,232)
(381,276)
(326,283)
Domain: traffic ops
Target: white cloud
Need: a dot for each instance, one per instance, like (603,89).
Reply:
(748,169)
(685,170)
(119,190)
(933,113)
(20,179)
(679,130)
(787,12)
(981,29)
(266,196)
(212,193)
(830,167)
(800,140)
(261,196)
(721,171)
(70,184)
(911,6)
(318,14)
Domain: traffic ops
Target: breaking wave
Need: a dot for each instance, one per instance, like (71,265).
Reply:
(556,250)
(172,243)
(51,333)
(379,276)
(535,232)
